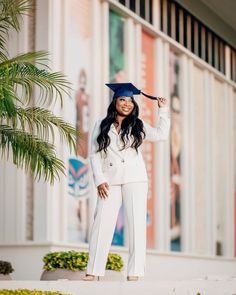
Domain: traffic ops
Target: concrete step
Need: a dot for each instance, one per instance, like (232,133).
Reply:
(145,286)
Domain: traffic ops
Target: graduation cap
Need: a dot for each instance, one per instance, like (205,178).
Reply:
(126,89)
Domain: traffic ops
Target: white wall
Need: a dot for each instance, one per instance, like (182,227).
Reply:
(205,118)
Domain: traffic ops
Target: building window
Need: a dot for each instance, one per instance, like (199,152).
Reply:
(233,64)
(122,2)
(132,5)
(185,28)
(141,7)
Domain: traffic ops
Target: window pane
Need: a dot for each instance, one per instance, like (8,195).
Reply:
(150,11)
(185,29)
(161,12)
(177,23)
(142,8)
(168,18)
(199,40)
(122,2)
(206,46)
(132,5)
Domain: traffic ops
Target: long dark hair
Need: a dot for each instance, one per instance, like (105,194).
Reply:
(131,126)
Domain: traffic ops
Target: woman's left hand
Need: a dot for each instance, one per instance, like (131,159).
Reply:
(162,102)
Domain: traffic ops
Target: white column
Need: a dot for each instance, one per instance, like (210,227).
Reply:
(98,86)
(130,61)
(58,202)
(191,156)
(227,62)
(185,159)
(229,178)
(209,173)
(48,200)
(13,179)
(156,13)
(138,55)
(212,201)
(20,186)
(105,55)
(63,150)
(40,188)
(162,157)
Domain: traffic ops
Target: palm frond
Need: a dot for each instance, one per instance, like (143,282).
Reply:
(42,121)
(27,79)
(33,57)
(8,99)
(7,106)
(50,85)
(11,12)
(3,56)
(31,153)
(27,75)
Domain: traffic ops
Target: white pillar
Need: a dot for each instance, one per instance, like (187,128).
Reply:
(49,224)
(138,54)
(227,62)
(13,179)
(186,214)
(190,161)
(130,62)
(162,157)
(97,90)
(229,178)
(212,201)
(105,56)
(209,173)
(156,14)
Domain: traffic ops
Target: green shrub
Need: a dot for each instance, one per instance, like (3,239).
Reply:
(114,262)
(29,292)
(70,260)
(78,261)
(5,267)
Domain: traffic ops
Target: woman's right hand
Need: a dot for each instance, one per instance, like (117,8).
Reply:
(103,190)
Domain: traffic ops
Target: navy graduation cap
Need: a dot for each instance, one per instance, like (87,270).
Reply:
(126,89)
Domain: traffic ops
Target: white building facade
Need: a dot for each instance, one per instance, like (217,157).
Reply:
(167,48)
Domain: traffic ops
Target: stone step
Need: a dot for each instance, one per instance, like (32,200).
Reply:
(145,286)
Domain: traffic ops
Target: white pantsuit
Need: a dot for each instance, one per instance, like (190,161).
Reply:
(125,172)
(134,197)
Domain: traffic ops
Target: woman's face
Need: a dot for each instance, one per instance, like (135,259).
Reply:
(124,105)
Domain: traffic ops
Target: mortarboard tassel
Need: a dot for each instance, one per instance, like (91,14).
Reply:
(149,96)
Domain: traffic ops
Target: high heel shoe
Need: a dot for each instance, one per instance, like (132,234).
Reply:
(90,278)
(132,278)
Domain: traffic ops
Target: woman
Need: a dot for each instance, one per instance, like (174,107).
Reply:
(120,176)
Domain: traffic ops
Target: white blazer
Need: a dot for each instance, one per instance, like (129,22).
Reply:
(123,166)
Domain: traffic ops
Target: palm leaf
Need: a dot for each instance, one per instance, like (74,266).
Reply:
(38,57)
(20,71)
(30,152)
(26,79)
(42,121)
(50,85)
(11,12)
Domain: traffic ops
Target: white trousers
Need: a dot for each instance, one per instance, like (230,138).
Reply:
(134,197)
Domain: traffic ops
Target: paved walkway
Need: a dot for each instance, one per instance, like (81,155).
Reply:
(206,286)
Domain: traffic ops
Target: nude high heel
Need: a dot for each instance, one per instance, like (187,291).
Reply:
(90,278)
